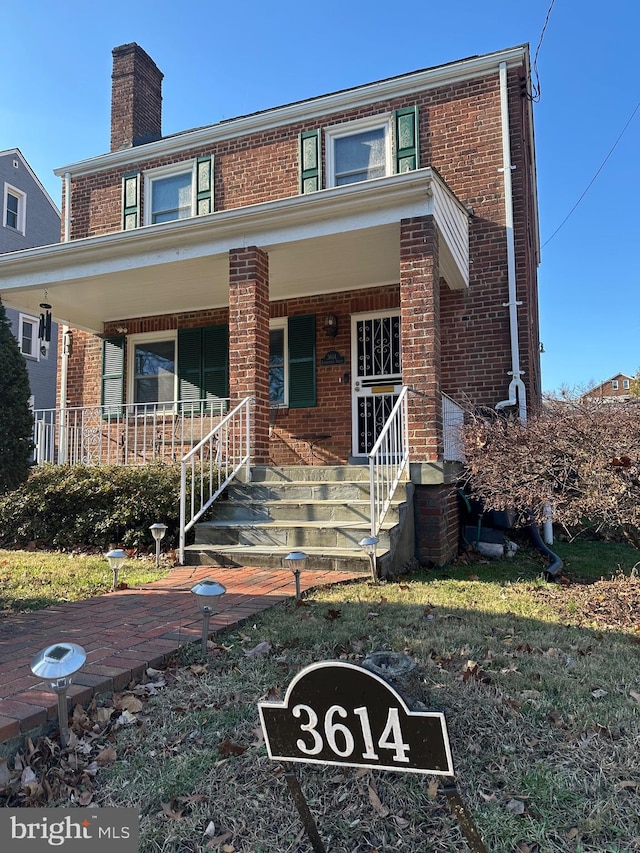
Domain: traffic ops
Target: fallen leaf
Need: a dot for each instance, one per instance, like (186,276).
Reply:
(130,703)
(515,807)
(258,651)
(106,756)
(228,747)
(332,614)
(171,811)
(432,789)
(374,799)
(126,718)
(199,668)
(400,822)
(634,695)
(218,840)
(211,829)
(598,693)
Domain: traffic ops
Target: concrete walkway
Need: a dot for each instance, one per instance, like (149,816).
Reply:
(125,632)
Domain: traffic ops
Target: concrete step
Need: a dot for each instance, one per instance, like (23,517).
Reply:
(287,533)
(309,473)
(308,490)
(294,510)
(318,559)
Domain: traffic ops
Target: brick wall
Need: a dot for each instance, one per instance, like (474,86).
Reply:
(437,524)
(136,98)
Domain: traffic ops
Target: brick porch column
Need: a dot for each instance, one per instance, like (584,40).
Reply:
(420,324)
(249,340)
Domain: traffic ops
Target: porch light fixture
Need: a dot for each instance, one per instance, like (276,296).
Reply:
(295,561)
(158,530)
(116,558)
(207,593)
(331,325)
(57,665)
(368,545)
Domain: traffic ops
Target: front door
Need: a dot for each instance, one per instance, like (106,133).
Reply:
(377,375)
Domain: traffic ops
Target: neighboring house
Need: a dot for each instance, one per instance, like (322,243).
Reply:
(29,218)
(615,389)
(314,258)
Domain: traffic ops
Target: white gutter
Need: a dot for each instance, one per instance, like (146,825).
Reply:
(517,391)
(67,207)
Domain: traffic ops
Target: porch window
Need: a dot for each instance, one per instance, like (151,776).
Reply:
(278,386)
(153,368)
(292,362)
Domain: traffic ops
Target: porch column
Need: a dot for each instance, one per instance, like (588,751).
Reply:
(249,340)
(420,330)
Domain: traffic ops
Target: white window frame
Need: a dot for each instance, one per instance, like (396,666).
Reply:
(35,342)
(354,128)
(22,208)
(282,323)
(614,384)
(183,168)
(146,337)
(625,384)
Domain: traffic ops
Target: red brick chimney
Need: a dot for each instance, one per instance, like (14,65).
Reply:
(136,98)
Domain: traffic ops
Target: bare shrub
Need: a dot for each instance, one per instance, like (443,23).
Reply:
(579,456)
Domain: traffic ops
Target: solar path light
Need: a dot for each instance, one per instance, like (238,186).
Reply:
(207,593)
(368,545)
(158,530)
(295,561)
(57,665)
(116,558)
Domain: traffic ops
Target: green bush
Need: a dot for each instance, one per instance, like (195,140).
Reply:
(16,418)
(74,506)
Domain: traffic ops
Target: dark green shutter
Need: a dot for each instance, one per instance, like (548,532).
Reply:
(406,139)
(130,202)
(215,361)
(204,187)
(203,363)
(302,361)
(112,393)
(310,161)
(189,364)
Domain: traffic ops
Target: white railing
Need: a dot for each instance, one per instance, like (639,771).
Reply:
(388,461)
(207,469)
(130,434)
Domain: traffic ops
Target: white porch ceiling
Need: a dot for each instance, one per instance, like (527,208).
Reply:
(330,241)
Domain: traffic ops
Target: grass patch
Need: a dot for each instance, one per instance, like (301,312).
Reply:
(35,580)
(543,713)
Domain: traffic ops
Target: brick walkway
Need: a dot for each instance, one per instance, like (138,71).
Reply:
(127,631)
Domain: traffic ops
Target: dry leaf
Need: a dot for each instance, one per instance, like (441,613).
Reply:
(126,718)
(432,789)
(218,840)
(211,829)
(634,695)
(106,756)
(598,693)
(400,822)
(258,651)
(515,807)
(171,811)
(228,747)
(374,799)
(130,703)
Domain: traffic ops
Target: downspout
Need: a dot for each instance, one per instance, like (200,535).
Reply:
(67,207)
(517,391)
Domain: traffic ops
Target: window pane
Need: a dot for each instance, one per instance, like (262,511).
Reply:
(276,366)
(171,198)
(360,156)
(12,211)
(154,372)
(26,340)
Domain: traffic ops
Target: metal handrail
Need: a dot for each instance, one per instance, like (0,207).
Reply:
(213,463)
(388,460)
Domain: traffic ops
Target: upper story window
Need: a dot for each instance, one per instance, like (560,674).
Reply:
(359,151)
(614,384)
(168,194)
(625,384)
(14,208)
(28,336)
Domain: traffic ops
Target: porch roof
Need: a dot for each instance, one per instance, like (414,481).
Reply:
(332,240)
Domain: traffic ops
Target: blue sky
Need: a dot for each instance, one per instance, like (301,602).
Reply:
(222,60)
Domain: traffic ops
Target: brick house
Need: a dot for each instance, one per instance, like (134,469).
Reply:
(316,259)
(615,389)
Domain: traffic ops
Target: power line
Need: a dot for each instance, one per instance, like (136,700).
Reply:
(600,168)
(535,87)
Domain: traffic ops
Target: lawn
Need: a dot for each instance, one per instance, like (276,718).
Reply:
(539,683)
